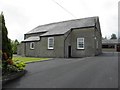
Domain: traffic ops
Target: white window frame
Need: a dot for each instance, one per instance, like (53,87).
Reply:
(49,43)
(80,40)
(32,45)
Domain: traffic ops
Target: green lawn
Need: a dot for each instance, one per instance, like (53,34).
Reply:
(29,59)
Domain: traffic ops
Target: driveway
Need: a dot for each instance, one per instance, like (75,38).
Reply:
(90,72)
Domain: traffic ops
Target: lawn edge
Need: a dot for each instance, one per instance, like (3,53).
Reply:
(39,61)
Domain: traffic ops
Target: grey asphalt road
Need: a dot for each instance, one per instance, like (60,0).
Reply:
(91,72)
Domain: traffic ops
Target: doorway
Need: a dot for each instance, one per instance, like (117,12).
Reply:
(69,51)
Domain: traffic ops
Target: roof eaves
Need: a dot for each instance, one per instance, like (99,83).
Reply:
(31,41)
(83,27)
(36,32)
(52,35)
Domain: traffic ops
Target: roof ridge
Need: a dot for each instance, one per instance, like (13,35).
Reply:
(66,21)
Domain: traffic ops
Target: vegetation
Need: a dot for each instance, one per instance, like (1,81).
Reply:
(14,46)
(8,65)
(5,40)
(113,36)
(15,66)
(28,59)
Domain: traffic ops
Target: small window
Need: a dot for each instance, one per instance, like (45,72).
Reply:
(32,45)
(51,43)
(80,43)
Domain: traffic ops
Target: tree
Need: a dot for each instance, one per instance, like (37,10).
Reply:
(6,42)
(14,46)
(104,37)
(6,52)
(113,36)
(8,65)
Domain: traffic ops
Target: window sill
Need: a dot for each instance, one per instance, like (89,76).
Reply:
(81,49)
(50,48)
(31,48)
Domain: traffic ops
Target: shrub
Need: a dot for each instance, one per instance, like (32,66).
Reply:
(8,65)
(20,65)
(14,66)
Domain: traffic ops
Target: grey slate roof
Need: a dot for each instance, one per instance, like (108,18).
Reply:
(111,41)
(59,28)
(64,26)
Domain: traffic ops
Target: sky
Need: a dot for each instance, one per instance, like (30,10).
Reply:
(21,16)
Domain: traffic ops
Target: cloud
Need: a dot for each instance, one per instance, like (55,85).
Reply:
(23,15)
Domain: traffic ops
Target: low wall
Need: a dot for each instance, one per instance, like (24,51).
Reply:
(109,50)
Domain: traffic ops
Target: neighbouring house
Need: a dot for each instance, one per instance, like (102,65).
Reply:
(72,38)
(111,45)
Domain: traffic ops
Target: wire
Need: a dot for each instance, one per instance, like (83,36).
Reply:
(64,8)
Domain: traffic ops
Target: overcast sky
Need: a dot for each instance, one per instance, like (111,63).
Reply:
(23,15)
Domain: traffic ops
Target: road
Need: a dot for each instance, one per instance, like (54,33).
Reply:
(90,72)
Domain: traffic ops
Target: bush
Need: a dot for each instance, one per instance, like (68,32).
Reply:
(9,66)
(20,65)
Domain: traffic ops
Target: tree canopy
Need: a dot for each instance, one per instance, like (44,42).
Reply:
(6,42)
(113,36)
(14,46)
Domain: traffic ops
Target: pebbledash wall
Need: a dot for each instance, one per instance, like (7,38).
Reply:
(65,45)
(91,36)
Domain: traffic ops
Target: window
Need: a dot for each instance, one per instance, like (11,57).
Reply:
(80,43)
(32,45)
(51,43)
